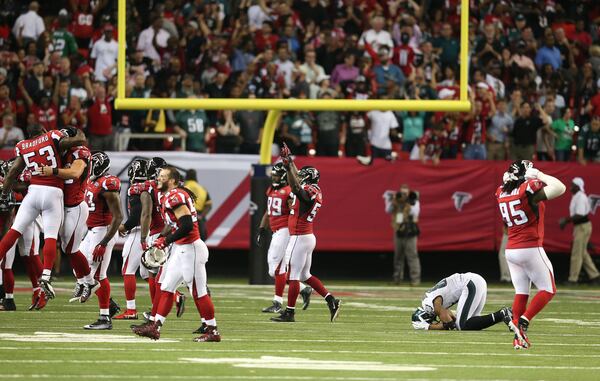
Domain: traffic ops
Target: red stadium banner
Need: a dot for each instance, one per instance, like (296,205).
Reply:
(458,207)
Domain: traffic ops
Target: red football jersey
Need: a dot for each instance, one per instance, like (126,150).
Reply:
(302,223)
(156,224)
(75,188)
(524,220)
(83,25)
(100,215)
(42,151)
(173,199)
(278,209)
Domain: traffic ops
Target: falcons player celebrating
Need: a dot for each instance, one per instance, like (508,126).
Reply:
(28,245)
(44,195)
(132,250)
(102,196)
(276,217)
(306,201)
(521,201)
(76,211)
(187,260)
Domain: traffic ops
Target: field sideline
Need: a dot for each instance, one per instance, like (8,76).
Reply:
(372,340)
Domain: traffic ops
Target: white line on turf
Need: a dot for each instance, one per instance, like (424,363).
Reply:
(62,337)
(201,377)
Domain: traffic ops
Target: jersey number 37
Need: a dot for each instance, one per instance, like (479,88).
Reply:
(512,214)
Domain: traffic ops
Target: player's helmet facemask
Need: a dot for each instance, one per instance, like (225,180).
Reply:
(154,166)
(69,131)
(100,164)
(515,175)
(278,176)
(309,175)
(138,171)
(421,315)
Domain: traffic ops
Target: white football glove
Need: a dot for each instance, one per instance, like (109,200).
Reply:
(532,173)
(420,325)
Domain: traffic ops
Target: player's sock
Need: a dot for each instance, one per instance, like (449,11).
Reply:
(316,284)
(280,280)
(538,303)
(80,265)
(156,299)
(9,281)
(477,323)
(293,292)
(49,252)
(151,284)
(129,283)
(29,269)
(36,265)
(206,309)
(519,306)
(103,294)
(165,305)
(8,241)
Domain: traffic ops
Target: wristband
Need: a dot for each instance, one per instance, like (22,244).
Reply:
(55,171)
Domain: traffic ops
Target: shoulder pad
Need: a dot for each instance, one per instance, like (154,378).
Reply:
(533,186)
(137,189)
(111,183)
(56,134)
(175,198)
(81,152)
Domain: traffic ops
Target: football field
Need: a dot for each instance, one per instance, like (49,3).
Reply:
(373,339)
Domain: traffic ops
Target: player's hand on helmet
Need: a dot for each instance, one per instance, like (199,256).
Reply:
(160,243)
(261,237)
(99,252)
(532,173)
(420,325)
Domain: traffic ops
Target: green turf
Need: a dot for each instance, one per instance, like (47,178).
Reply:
(373,330)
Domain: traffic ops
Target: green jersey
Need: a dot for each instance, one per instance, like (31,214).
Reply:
(64,42)
(195,124)
(564,134)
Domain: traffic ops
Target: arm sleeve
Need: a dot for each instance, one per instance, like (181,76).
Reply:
(135,213)
(185,226)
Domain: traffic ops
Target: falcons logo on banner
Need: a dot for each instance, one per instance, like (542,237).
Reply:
(461,199)
(594,200)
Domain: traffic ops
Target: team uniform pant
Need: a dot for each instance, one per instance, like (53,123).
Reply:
(186,263)
(73,229)
(276,256)
(91,240)
(472,299)
(28,245)
(299,251)
(132,255)
(45,201)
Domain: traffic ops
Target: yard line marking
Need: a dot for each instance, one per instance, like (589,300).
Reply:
(201,377)
(63,337)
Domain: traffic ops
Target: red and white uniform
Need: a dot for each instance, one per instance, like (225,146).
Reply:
(188,254)
(157,224)
(527,260)
(302,240)
(98,221)
(278,211)
(73,228)
(45,194)
(132,249)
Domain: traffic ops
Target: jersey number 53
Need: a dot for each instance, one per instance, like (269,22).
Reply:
(511,214)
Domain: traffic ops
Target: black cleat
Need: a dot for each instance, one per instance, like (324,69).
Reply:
(274,308)
(103,323)
(113,308)
(287,316)
(135,327)
(47,288)
(305,293)
(77,291)
(8,305)
(88,290)
(334,308)
(202,329)
(180,303)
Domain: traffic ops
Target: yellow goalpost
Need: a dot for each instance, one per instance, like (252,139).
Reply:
(275,106)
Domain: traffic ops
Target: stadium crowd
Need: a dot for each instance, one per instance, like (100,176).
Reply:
(534,74)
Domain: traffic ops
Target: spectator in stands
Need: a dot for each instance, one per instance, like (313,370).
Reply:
(498,132)
(63,40)
(431,145)
(489,47)
(447,47)
(331,131)
(152,38)
(203,203)
(297,131)
(74,115)
(105,52)
(549,53)
(228,133)
(564,129)
(476,130)
(29,26)
(413,125)
(10,135)
(251,128)
(356,133)
(588,142)
(192,125)
(384,125)
(345,72)
(387,75)
(545,136)
(310,68)
(525,132)
(377,37)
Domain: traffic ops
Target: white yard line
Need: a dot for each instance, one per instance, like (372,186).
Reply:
(201,377)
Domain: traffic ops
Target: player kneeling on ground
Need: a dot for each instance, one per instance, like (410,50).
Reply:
(469,290)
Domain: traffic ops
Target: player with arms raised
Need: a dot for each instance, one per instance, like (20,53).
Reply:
(276,219)
(102,196)
(306,201)
(44,195)
(521,201)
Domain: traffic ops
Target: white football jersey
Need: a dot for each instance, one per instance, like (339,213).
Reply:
(449,289)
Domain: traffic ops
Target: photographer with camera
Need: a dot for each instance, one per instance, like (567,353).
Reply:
(404,207)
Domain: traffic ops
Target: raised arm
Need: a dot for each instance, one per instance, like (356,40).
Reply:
(553,189)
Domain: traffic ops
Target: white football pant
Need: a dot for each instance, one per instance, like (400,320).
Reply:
(45,201)
(28,243)
(186,263)
(472,299)
(91,240)
(277,250)
(132,255)
(530,265)
(74,229)
(299,251)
